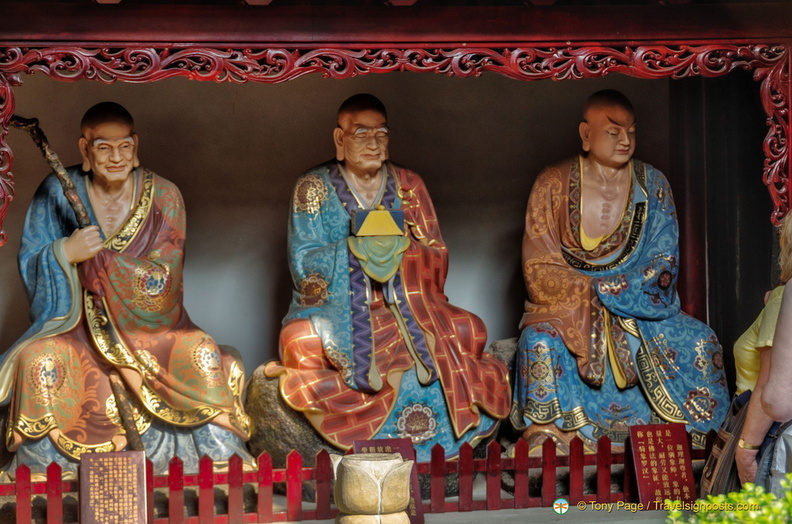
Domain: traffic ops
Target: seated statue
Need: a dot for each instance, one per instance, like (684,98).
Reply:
(107,299)
(371,347)
(604,344)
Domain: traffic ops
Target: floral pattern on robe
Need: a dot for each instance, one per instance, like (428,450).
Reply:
(121,310)
(605,344)
(362,359)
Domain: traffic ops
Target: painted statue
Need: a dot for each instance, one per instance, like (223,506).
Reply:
(371,347)
(107,299)
(604,344)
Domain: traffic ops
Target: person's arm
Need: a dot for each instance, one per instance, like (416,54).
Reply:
(757,423)
(777,394)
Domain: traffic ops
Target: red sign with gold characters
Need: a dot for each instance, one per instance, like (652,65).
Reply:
(113,487)
(663,468)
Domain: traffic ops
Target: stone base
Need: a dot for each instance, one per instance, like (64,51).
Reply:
(278,429)
(387,518)
(504,350)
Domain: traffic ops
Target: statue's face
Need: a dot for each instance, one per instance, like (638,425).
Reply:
(361,141)
(109,150)
(608,135)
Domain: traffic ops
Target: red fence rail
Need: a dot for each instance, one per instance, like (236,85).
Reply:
(260,484)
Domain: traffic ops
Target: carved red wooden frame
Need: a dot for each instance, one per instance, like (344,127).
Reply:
(770,64)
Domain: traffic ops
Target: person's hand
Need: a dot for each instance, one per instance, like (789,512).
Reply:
(746,464)
(83,244)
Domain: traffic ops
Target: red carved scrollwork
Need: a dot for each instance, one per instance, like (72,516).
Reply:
(775,94)
(273,65)
(6,155)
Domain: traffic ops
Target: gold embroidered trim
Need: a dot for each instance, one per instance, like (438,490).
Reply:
(75,449)
(630,326)
(656,393)
(104,335)
(236,380)
(698,438)
(636,228)
(120,240)
(338,359)
(177,417)
(34,429)
(113,348)
(546,412)
(574,419)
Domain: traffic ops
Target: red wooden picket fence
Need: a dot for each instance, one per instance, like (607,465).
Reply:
(294,474)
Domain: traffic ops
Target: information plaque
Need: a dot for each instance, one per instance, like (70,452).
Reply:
(663,468)
(113,488)
(404,447)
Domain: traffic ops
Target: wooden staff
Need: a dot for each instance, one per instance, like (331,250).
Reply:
(31,126)
(123,401)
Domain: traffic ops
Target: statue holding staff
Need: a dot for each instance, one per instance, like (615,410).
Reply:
(106,301)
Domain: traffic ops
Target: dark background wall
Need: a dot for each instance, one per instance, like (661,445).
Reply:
(716,135)
(235,151)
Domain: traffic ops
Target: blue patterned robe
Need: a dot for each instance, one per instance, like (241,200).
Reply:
(366,359)
(612,308)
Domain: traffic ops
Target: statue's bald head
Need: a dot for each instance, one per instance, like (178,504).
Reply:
(361,102)
(607,98)
(106,112)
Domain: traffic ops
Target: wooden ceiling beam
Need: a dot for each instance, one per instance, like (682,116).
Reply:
(380,25)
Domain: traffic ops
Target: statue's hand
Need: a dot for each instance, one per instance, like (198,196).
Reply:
(83,244)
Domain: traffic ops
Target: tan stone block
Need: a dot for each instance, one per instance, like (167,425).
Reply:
(389,518)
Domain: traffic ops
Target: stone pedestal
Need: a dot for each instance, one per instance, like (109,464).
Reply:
(372,488)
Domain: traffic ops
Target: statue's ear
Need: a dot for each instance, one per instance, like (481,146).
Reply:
(135,159)
(83,145)
(584,129)
(338,140)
